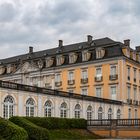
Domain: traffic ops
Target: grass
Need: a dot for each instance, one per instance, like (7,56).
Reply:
(69,134)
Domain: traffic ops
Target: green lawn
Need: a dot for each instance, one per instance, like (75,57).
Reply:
(71,134)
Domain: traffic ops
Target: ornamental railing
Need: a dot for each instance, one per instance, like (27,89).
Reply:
(21,87)
(114,123)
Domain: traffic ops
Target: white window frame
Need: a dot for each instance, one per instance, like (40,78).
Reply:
(48,109)
(84,73)
(8,107)
(71,75)
(113,70)
(98,94)
(100,73)
(84,91)
(113,93)
(30,108)
(57,77)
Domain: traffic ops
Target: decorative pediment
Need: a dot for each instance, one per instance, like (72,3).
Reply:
(27,67)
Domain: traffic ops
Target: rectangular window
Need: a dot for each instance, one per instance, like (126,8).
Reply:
(128,72)
(98,92)
(113,90)
(135,73)
(71,91)
(84,74)
(128,92)
(135,93)
(84,91)
(57,78)
(113,70)
(98,71)
(71,75)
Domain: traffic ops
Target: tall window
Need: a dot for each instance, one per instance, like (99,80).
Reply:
(113,92)
(8,108)
(48,109)
(128,72)
(84,91)
(89,112)
(98,92)
(84,74)
(77,111)
(113,70)
(129,113)
(128,92)
(71,75)
(63,110)
(135,93)
(57,77)
(136,114)
(98,72)
(109,113)
(135,73)
(118,114)
(100,113)
(30,107)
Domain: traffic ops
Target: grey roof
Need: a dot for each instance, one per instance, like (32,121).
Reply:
(53,51)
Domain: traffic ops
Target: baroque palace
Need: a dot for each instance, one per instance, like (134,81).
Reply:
(95,79)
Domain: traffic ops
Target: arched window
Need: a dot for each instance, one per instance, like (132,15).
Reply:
(63,110)
(48,109)
(77,111)
(100,113)
(8,107)
(118,114)
(30,107)
(109,113)
(89,112)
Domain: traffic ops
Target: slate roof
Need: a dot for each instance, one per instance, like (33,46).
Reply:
(65,49)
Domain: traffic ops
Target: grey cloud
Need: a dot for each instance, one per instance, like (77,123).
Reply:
(7,12)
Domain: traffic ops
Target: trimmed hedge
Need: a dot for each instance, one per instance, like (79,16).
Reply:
(58,123)
(10,131)
(34,132)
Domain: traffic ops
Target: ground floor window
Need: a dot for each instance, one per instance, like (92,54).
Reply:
(100,113)
(30,107)
(89,113)
(48,109)
(8,107)
(63,110)
(77,111)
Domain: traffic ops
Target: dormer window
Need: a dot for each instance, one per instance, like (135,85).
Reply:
(86,55)
(40,63)
(138,57)
(10,68)
(2,69)
(49,61)
(59,60)
(100,52)
(72,58)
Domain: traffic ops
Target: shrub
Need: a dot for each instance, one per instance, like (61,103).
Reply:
(58,123)
(34,132)
(10,131)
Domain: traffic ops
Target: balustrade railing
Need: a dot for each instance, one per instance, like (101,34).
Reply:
(114,122)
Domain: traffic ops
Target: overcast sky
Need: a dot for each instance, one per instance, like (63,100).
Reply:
(41,23)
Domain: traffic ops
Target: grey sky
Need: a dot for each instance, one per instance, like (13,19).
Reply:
(41,23)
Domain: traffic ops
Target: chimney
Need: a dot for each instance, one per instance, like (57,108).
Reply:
(127,42)
(138,48)
(60,43)
(89,39)
(30,49)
